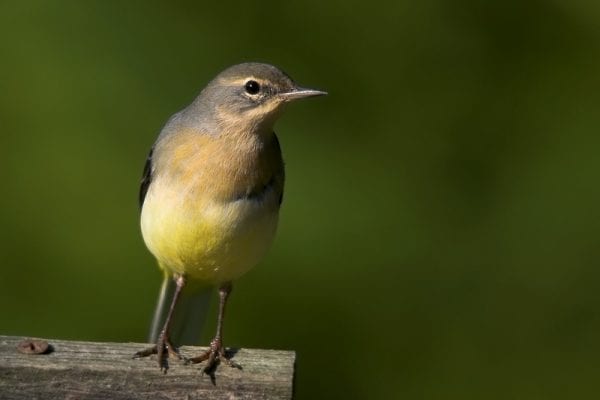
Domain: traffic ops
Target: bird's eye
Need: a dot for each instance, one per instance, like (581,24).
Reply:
(252,87)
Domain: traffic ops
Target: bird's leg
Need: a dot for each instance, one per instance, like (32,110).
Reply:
(163,342)
(216,352)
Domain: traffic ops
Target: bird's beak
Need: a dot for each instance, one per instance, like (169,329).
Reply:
(300,93)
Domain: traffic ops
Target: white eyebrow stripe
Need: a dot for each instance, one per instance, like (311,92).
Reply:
(242,81)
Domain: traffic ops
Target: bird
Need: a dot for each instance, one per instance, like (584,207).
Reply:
(210,195)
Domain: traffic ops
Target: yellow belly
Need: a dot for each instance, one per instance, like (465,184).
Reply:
(209,241)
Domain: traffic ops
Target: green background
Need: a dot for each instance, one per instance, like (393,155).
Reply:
(439,236)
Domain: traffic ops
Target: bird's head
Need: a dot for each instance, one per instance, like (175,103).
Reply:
(251,96)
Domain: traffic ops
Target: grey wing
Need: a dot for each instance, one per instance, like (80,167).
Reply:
(146,178)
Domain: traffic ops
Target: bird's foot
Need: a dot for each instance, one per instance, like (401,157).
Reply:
(163,349)
(213,356)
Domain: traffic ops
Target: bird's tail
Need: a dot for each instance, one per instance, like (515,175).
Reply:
(189,315)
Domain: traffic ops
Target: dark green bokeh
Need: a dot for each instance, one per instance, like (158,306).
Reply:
(440,231)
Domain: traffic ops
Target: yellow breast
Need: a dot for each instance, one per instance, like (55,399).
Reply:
(211,210)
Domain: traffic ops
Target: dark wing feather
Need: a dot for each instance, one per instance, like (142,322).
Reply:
(146,178)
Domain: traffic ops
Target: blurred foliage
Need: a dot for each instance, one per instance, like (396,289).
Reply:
(440,231)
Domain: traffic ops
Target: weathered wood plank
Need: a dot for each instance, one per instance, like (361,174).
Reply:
(89,370)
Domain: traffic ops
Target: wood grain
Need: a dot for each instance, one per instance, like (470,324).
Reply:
(91,370)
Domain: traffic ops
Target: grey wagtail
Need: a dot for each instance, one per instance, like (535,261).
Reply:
(210,197)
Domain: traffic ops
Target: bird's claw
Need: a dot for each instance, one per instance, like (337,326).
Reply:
(163,349)
(213,356)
